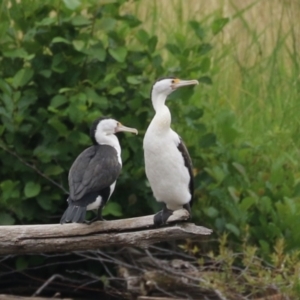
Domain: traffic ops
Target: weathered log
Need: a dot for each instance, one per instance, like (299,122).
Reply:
(78,237)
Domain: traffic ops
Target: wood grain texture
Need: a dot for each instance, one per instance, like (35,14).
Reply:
(79,237)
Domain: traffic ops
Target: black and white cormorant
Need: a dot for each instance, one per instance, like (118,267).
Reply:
(167,161)
(93,175)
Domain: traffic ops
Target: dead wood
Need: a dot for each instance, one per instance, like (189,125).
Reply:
(79,237)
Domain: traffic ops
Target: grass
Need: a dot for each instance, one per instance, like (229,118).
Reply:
(255,66)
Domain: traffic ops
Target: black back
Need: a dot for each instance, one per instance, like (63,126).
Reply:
(188,163)
(95,169)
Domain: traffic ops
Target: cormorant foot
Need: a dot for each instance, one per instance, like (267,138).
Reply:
(161,217)
(93,220)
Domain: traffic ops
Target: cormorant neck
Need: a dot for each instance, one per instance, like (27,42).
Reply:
(158,100)
(162,117)
(110,140)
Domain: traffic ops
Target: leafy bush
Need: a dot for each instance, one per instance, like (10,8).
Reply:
(62,65)
(65,63)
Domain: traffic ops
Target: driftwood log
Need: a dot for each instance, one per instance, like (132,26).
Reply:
(77,237)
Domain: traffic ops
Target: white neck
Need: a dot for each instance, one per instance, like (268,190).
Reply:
(111,140)
(162,118)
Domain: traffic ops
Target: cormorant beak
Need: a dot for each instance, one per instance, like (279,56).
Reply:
(121,128)
(180,83)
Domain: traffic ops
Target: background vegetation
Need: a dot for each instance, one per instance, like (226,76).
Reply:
(64,63)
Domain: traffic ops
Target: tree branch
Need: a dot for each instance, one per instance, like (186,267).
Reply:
(78,237)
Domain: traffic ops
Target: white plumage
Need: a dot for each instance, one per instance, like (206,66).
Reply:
(165,169)
(168,169)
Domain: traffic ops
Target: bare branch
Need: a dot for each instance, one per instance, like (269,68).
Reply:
(78,237)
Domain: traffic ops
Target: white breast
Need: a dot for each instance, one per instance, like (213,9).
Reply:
(98,201)
(165,169)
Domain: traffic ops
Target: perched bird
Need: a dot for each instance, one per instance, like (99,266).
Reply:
(93,175)
(167,161)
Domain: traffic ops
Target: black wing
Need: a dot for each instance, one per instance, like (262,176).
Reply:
(95,168)
(188,163)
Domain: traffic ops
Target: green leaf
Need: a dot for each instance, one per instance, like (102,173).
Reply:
(96,52)
(46,73)
(116,90)
(142,36)
(211,212)
(22,77)
(247,203)
(106,24)
(32,189)
(80,21)
(20,52)
(218,24)
(208,140)
(134,79)
(241,170)
(44,202)
(232,228)
(152,43)
(59,39)
(53,170)
(204,48)
(9,190)
(58,63)
(47,21)
(195,113)
(94,98)
(58,100)
(119,54)
(112,208)
(78,44)
(4,86)
(64,90)
(6,219)
(205,64)
(173,49)
(72,4)
(60,127)
(234,193)
(205,79)
(199,31)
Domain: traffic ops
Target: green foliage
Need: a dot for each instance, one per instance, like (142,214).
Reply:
(247,273)
(62,65)
(65,63)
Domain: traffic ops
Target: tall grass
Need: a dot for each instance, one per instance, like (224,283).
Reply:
(255,66)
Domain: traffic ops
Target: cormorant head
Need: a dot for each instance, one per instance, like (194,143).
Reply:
(165,86)
(105,126)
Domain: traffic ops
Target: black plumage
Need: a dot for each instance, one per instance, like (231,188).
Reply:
(91,175)
(189,165)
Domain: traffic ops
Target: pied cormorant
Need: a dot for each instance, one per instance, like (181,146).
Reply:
(167,161)
(93,175)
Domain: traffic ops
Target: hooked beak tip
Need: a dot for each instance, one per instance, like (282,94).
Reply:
(182,83)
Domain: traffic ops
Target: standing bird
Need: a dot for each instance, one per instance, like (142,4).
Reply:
(93,175)
(168,163)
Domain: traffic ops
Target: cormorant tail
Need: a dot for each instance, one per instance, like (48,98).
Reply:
(74,214)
